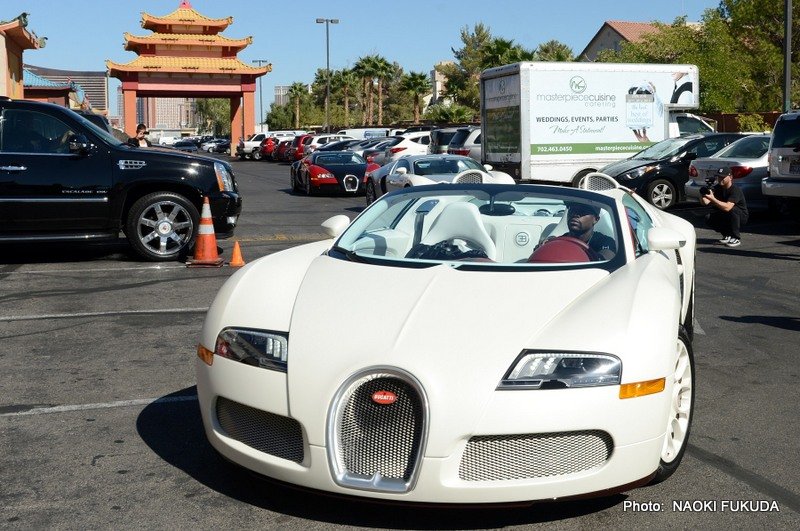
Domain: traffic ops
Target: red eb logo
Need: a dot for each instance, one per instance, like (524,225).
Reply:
(384,397)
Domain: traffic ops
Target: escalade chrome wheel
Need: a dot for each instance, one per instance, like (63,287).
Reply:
(161,226)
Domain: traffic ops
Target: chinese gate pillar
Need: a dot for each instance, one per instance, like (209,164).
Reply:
(237,122)
(249,108)
(129,111)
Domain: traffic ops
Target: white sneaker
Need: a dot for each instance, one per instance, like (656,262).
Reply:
(726,239)
(733,242)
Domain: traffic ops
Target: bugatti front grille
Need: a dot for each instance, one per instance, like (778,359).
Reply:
(507,457)
(473,177)
(266,432)
(380,439)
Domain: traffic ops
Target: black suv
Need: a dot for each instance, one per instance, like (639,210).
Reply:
(659,172)
(64,179)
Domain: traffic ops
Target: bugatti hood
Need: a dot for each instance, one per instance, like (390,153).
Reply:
(451,329)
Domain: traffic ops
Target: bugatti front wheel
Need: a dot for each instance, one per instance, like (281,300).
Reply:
(681,407)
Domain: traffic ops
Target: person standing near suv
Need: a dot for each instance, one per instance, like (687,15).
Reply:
(140,140)
(730,208)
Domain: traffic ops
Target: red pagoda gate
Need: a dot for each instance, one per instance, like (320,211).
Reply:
(186,57)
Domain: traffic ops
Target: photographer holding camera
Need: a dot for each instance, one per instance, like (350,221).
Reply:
(730,208)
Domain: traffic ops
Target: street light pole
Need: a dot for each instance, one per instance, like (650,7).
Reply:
(327,22)
(260,92)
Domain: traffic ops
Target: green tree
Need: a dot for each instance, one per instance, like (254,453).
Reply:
(450,114)
(367,68)
(418,85)
(215,114)
(297,92)
(344,83)
(384,71)
(499,52)
(554,50)
(462,76)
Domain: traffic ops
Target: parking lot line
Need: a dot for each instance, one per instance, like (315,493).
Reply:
(40,317)
(104,405)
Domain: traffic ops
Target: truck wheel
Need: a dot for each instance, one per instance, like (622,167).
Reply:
(256,154)
(161,226)
(662,194)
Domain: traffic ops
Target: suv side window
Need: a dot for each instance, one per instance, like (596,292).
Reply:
(787,132)
(27,131)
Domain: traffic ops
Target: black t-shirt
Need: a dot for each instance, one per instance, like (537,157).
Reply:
(731,195)
(600,241)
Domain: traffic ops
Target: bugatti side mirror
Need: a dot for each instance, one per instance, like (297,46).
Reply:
(664,239)
(334,226)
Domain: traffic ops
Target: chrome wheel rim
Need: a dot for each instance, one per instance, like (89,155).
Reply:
(662,195)
(164,227)
(680,407)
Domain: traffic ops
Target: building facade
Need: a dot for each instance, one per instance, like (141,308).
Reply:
(93,83)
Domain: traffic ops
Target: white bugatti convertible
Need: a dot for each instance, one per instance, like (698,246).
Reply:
(461,343)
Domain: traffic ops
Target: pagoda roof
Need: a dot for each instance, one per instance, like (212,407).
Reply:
(185,15)
(133,42)
(15,30)
(29,79)
(192,65)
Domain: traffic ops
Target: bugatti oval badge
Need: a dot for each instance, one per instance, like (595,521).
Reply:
(384,397)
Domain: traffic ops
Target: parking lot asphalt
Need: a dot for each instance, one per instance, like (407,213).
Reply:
(99,425)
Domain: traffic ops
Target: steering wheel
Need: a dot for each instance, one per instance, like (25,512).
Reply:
(564,249)
(469,177)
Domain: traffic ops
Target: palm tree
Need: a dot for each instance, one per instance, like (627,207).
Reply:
(452,114)
(554,50)
(383,70)
(500,52)
(366,68)
(346,82)
(418,84)
(297,91)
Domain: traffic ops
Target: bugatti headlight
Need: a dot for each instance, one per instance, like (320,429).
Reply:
(637,172)
(558,370)
(224,179)
(259,348)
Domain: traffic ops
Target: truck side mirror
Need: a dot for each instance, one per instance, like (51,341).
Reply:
(79,145)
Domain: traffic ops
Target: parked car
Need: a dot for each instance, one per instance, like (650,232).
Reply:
(784,159)
(224,146)
(414,170)
(377,153)
(330,171)
(466,142)
(320,140)
(366,144)
(339,145)
(167,140)
(660,172)
(295,151)
(97,119)
(281,152)
(746,158)
(250,148)
(209,145)
(440,138)
(64,179)
(185,145)
(494,373)
(415,143)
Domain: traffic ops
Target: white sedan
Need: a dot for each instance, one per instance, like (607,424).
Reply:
(500,360)
(416,170)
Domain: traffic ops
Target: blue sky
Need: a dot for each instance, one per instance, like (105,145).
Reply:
(416,34)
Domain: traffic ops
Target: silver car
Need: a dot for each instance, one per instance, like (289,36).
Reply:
(434,167)
(747,160)
(466,142)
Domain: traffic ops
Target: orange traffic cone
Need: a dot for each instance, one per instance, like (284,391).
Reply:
(205,245)
(236,256)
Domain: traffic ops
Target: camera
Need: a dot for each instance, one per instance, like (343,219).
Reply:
(705,190)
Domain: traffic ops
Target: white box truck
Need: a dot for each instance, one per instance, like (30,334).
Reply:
(556,122)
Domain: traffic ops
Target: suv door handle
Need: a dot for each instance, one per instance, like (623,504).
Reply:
(13,168)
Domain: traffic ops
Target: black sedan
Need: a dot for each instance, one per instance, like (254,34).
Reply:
(660,171)
(185,145)
(331,171)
